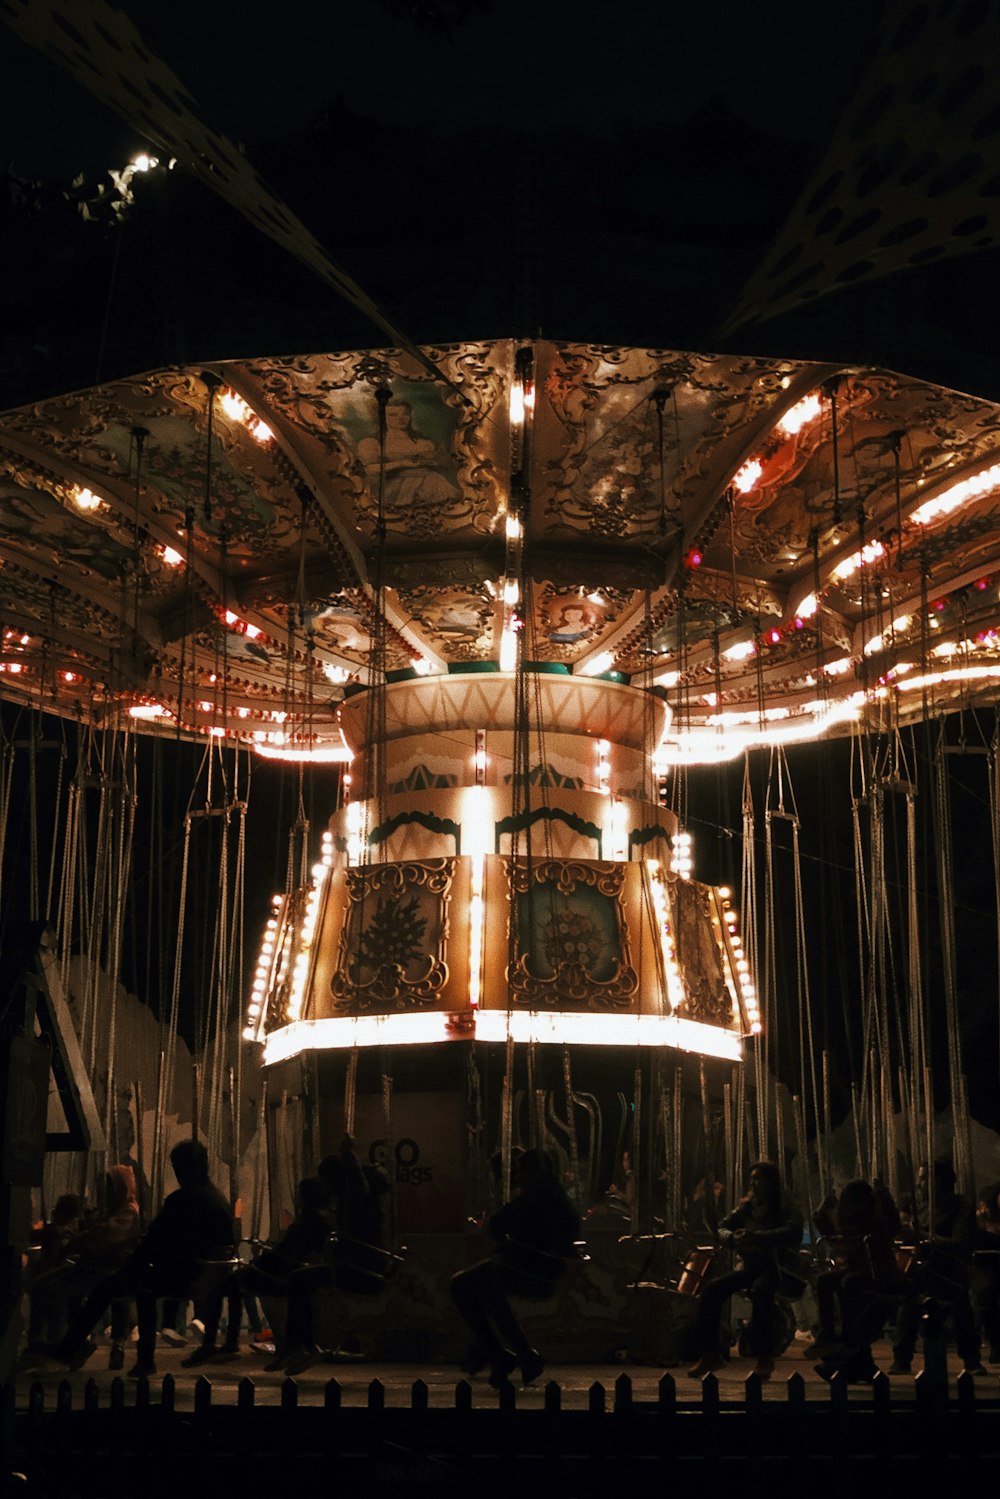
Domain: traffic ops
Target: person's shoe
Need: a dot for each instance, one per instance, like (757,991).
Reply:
(764,1368)
(116,1358)
(502,1367)
(303,1360)
(228,1352)
(279,1359)
(263,1345)
(532,1365)
(143,1368)
(172,1337)
(202,1355)
(820,1348)
(975,1369)
(900,1366)
(859,1370)
(705,1365)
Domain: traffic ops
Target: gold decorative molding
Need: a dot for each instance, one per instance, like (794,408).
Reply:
(394,937)
(584,934)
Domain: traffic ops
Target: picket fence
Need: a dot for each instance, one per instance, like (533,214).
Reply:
(138,1441)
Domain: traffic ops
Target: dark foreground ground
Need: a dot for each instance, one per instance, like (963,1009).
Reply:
(581,1430)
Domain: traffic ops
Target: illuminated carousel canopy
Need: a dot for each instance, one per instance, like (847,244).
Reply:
(778,548)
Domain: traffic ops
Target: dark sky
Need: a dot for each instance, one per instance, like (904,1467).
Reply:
(261,72)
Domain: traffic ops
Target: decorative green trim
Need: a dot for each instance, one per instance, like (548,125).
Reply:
(471,668)
(640,836)
(425,820)
(421,778)
(551,814)
(547,775)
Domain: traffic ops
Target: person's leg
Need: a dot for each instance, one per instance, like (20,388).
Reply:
(966,1335)
(145,1348)
(904,1339)
(707,1324)
(827,1287)
(470,1291)
(763,1289)
(234,1314)
(121,1326)
(74,1347)
(989,1312)
(302,1284)
(210,1310)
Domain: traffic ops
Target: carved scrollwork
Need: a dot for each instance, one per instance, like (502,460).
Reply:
(393,943)
(699,956)
(570,936)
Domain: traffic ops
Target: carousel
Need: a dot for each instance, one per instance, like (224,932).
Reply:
(467,626)
(499,601)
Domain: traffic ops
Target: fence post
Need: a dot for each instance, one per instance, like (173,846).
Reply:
(796,1421)
(621,1426)
(623,1395)
(710,1418)
(753,1408)
(596,1426)
(168,1395)
(881,1417)
(968,1446)
(666,1414)
(202,1399)
(8,1405)
(929,1395)
(418,1395)
(36,1413)
(463,1396)
(331,1426)
(64,1409)
(840,1426)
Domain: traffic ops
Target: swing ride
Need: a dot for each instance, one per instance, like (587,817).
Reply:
(495,604)
(502,600)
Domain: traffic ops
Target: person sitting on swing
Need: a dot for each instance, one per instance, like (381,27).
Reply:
(762,1230)
(194,1225)
(535,1235)
(301,1244)
(355,1258)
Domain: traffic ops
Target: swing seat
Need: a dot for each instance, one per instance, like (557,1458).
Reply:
(537,1272)
(363,1269)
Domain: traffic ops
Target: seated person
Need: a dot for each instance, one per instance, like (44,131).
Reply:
(987,1267)
(102,1244)
(864,1228)
(534,1235)
(765,1231)
(301,1244)
(195,1224)
(354,1261)
(944,1269)
(49,1270)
